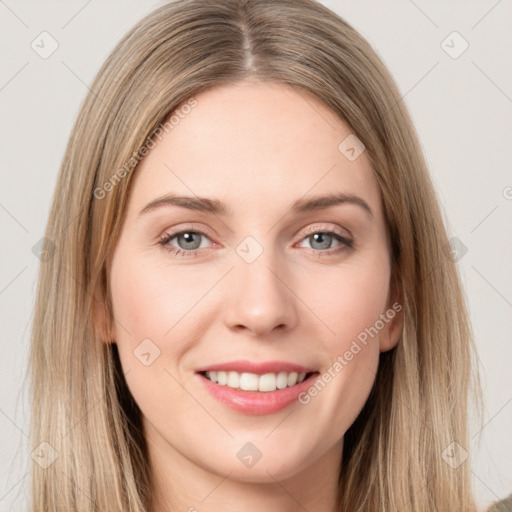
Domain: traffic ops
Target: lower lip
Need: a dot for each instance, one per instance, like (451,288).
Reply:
(257,402)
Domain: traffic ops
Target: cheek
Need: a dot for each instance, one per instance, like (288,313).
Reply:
(350,301)
(351,305)
(148,303)
(159,310)
(149,300)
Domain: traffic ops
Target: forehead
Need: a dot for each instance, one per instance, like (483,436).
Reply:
(252,145)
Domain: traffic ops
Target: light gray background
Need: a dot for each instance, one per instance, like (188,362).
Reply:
(462,110)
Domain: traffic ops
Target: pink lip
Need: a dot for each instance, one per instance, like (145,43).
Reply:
(256,402)
(257,368)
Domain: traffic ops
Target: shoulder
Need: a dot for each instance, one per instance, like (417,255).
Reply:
(502,506)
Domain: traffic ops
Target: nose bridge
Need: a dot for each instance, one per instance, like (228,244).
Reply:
(259,298)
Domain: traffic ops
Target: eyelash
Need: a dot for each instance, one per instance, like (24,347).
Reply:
(347,244)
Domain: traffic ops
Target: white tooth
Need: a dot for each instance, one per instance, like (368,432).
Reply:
(267,382)
(249,382)
(252,382)
(233,380)
(292,378)
(282,380)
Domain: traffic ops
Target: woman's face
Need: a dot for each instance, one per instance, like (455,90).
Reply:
(230,262)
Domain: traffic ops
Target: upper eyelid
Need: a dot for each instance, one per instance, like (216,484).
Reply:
(335,230)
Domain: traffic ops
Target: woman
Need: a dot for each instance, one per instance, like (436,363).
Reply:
(248,371)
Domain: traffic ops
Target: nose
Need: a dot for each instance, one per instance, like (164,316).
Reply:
(261,299)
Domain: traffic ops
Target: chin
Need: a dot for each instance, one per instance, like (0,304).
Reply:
(261,460)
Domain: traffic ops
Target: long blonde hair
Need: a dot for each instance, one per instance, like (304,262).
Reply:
(394,453)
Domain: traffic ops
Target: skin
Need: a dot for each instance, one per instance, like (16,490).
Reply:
(257,147)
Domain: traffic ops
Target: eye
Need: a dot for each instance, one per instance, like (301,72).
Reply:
(189,242)
(323,240)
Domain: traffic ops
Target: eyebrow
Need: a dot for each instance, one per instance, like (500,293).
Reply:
(204,204)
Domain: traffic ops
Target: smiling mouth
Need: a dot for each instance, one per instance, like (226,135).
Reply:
(254,382)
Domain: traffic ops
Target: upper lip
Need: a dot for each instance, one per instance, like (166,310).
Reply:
(257,368)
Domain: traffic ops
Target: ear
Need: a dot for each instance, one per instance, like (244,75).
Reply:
(394,314)
(101,319)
